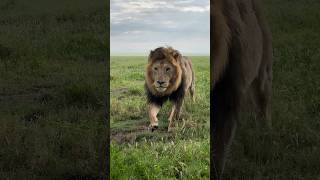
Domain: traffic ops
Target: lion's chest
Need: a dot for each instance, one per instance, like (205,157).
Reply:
(173,97)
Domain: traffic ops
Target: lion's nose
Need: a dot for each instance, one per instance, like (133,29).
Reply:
(160,82)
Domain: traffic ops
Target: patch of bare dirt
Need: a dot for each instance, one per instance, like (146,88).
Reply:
(119,91)
(127,136)
(131,136)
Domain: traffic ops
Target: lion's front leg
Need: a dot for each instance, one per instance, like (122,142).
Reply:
(153,112)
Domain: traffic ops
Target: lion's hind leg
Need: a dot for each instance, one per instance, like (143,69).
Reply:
(262,99)
(192,88)
(223,136)
(192,91)
(171,118)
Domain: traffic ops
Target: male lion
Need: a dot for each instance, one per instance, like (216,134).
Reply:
(168,76)
(241,69)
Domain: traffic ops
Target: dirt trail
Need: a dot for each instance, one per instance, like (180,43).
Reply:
(139,132)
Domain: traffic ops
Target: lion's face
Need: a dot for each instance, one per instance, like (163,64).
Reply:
(162,72)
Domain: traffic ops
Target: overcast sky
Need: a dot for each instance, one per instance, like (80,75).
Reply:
(137,26)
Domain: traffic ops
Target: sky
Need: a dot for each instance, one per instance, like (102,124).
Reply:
(138,26)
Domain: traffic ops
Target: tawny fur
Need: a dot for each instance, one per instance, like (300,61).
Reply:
(222,35)
(242,69)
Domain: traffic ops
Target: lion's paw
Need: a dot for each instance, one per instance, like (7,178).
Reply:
(153,128)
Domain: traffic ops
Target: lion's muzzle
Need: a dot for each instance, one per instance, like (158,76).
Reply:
(161,86)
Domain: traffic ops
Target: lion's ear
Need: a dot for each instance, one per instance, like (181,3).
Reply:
(176,55)
(150,55)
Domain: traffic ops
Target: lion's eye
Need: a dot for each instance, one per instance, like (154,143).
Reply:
(168,69)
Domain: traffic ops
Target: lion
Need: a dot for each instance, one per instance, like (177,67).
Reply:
(241,69)
(169,76)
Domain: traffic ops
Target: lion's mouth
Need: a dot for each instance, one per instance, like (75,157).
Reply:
(161,88)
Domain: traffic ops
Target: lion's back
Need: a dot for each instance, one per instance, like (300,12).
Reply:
(187,67)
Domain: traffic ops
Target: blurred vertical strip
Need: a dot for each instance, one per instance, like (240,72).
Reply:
(106,147)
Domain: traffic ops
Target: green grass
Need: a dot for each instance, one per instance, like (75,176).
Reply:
(52,73)
(140,154)
(291,149)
